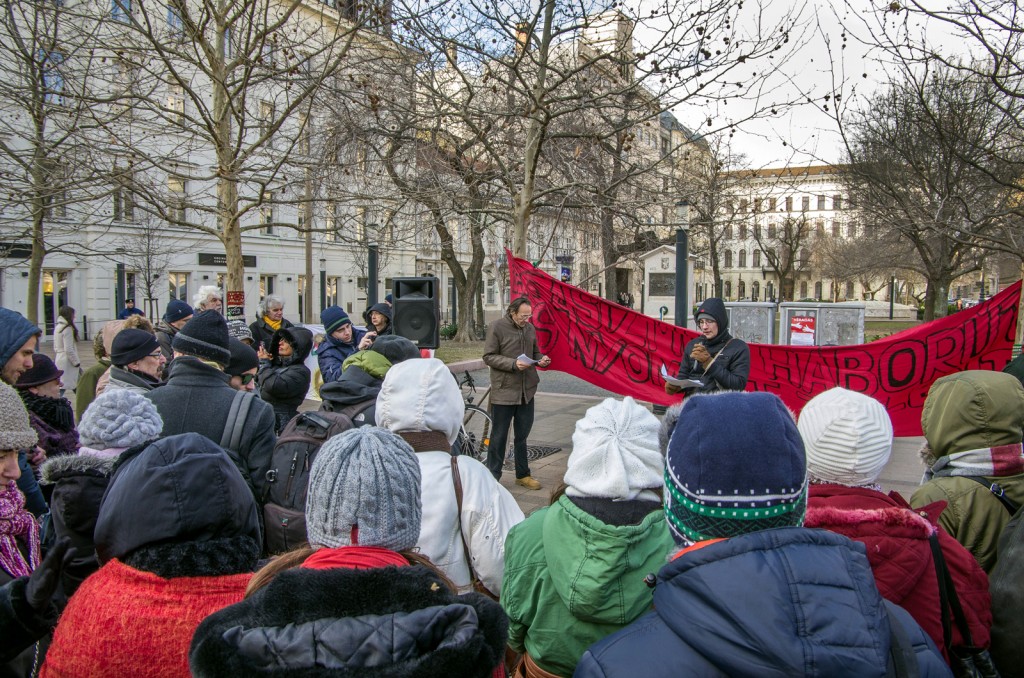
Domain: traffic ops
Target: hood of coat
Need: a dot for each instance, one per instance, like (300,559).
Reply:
(973,410)
(15,330)
(110,331)
(383,622)
(300,338)
(420,395)
(371,362)
(160,494)
(785,599)
(355,386)
(382,308)
(599,569)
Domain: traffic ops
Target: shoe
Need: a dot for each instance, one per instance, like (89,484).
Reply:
(528,482)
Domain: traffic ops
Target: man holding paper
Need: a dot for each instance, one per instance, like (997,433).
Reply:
(511,351)
(715,359)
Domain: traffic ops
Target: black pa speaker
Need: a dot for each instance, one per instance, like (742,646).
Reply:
(417,310)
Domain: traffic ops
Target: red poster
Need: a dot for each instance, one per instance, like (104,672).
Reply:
(236,304)
(621,350)
(801,330)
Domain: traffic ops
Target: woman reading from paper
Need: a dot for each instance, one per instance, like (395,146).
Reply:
(715,359)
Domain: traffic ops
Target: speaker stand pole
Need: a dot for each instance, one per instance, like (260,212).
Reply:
(371,276)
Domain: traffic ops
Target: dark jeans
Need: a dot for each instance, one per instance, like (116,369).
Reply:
(521,416)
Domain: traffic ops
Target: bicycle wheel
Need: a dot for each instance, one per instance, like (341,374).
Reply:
(475,434)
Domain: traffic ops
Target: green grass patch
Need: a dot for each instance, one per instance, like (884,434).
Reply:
(452,352)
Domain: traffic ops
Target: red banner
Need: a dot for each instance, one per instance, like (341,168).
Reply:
(621,350)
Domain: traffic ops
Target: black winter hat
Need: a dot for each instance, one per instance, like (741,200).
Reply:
(205,336)
(395,348)
(132,344)
(43,370)
(243,358)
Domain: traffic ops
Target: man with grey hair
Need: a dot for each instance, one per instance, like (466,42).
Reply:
(269,319)
(208,298)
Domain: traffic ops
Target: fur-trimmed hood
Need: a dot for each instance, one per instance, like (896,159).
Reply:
(57,468)
(905,520)
(379,623)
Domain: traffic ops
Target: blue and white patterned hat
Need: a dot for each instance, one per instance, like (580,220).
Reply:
(735,464)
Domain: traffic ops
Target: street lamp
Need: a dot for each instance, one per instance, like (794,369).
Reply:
(682,256)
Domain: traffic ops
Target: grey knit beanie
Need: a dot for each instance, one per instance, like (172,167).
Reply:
(15,431)
(119,418)
(364,489)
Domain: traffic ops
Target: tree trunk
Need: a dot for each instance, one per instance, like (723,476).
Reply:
(936,303)
(35,266)
(1020,311)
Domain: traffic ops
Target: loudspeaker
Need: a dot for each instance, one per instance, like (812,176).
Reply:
(417,310)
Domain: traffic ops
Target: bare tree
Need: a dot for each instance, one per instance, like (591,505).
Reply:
(908,170)
(51,171)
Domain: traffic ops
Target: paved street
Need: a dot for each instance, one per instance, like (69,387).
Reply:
(562,400)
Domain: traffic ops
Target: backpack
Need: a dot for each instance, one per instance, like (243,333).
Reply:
(284,506)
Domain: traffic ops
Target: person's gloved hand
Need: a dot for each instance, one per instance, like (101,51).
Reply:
(43,581)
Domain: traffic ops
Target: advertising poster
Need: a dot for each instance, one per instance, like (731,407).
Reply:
(801,330)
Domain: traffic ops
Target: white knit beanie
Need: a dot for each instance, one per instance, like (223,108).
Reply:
(15,431)
(420,395)
(119,418)
(847,436)
(615,452)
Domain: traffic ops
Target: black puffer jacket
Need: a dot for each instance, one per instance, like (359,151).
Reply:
(262,333)
(1008,599)
(731,356)
(284,382)
(386,622)
(79,481)
(355,387)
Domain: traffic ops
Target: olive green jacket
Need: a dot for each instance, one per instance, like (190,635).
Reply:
(505,342)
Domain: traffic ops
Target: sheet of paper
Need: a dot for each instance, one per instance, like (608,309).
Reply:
(526,359)
(681,383)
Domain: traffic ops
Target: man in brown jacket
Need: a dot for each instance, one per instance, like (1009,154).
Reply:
(513,385)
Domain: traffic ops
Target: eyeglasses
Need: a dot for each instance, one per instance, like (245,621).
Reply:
(524,317)
(247,379)
(705,322)
(156,354)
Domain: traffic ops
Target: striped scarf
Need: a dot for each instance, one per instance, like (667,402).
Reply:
(16,522)
(1002,461)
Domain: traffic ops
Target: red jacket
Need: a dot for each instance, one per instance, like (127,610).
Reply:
(896,539)
(127,622)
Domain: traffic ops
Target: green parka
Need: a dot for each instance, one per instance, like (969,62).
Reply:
(570,580)
(969,411)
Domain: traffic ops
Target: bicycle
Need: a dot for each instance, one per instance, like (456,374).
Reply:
(475,433)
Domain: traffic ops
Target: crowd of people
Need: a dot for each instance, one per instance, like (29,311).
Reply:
(726,538)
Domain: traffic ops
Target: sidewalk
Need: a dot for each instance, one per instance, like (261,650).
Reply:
(554,423)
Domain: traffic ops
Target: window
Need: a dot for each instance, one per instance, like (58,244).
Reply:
(837,202)
(177,284)
(176,103)
(743,231)
(124,203)
(771,229)
(266,118)
(817,290)
(803,289)
(835,229)
(851,230)
(773,204)
(755,290)
(741,289)
(130,286)
(728,259)
(53,79)
(743,259)
(728,289)
(56,200)
(821,202)
(332,290)
(267,214)
(757,205)
(728,232)
(489,296)
(789,204)
(267,285)
(743,206)
(176,187)
(757,231)
(849,289)
(757,258)
(805,203)
(121,10)
(805,257)
(175,25)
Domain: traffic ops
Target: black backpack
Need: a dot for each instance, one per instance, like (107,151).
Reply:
(284,508)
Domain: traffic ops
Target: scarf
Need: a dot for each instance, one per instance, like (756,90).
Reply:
(16,522)
(57,412)
(1002,461)
(354,558)
(272,324)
